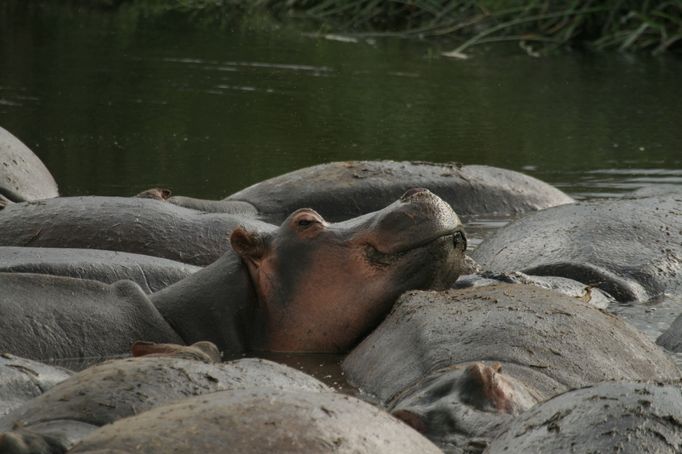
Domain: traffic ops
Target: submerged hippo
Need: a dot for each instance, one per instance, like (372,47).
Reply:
(305,286)
(632,249)
(458,364)
(259,421)
(135,225)
(120,388)
(340,190)
(631,418)
(22,175)
(150,273)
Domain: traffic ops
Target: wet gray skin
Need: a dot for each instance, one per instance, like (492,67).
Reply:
(126,224)
(22,175)
(121,388)
(340,190)
(305,286)
(22,379)
(545,343)
(631,249)
(672,337)
(562,285)
(629,418)
(150,273)
(260,420)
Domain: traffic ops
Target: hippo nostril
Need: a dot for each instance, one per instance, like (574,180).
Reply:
(410,192)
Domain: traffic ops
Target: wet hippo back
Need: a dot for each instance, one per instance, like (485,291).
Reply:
(261,420)
(44,317)
(341,190)
(632,249)
(628,418)
(22,175)
(150,273)
(136,225)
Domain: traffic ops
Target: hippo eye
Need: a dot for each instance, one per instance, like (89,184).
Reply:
(305,222)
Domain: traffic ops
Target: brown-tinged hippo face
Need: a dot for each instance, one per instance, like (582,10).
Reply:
(321,286)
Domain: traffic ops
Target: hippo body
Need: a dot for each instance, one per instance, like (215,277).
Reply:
(629,418)
(260,420)
(136,225)
(422,362)
(22,175)
(341,190)
(150,273)
(121,388)
(307,286)
(22,379)
(631,249)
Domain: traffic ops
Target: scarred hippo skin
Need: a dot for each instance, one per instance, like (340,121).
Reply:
(629,418)
(150,273)
(121,388)
(562,285)
(22,379)
(631,249)
(340,190)
(537,342)
(126,224)
(307,286)
(261,421)
(22,175)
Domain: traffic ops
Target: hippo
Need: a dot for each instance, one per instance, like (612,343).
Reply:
(631,249)
(306,286)
(458,364)
(126,224)
(150,273)
(629,418)
(260,420)
(340,190)
(23,176)
(22,379)
(157,375)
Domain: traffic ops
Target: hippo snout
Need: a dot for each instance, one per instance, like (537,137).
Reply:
(411,192)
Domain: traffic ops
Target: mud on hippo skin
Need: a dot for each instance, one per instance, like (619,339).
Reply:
(150,273)
(120,388)
(340,190)
(630,418)
(23,379)
(631,249)
(531,344)
(261,420)
(126,224)
(22,175)
(306,286)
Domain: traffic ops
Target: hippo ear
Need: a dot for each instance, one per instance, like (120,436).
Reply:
(248,245)
(142,348)
(483,389)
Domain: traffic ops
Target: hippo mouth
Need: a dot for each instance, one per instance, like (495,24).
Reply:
(455,237)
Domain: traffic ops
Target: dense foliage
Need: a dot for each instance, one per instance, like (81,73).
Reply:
(538,26)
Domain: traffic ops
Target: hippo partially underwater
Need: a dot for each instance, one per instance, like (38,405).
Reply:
(305,286)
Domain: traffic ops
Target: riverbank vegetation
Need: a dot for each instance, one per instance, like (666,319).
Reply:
(537,26)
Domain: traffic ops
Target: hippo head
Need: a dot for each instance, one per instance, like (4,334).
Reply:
(322,286)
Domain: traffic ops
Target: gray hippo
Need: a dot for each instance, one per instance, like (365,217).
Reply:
(260,421)
(150,273)
(22,175)
(22,379)
(340,190)
(119,388)
(631,249)
(306,286)
(458,364)
(126,224)
(629,418)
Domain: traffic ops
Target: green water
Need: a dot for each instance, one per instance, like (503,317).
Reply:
(114,103)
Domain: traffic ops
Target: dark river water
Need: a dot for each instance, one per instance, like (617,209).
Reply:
(116,102)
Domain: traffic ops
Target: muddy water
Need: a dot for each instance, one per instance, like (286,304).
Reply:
(115,102)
